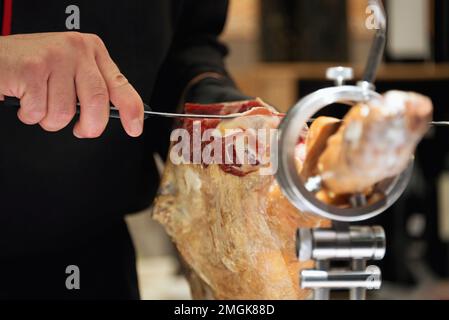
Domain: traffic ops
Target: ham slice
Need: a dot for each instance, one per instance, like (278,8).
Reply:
(232,225)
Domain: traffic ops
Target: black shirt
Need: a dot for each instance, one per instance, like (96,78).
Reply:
(56,191)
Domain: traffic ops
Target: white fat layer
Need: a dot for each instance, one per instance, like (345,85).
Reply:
(392,139)
(353,133)
(193,181)
(254,122)
(387,140)
(394,102)
(364,111)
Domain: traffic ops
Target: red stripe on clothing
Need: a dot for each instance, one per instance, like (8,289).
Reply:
(7,17)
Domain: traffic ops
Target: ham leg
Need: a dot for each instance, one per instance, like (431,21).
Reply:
(234,228)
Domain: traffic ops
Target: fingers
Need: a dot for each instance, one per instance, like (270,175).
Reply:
(49,72)
(121,93)
(61,102)
(94,101)
(33,103)
(130,106)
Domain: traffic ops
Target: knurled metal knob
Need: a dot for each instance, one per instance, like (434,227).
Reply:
(339,75)
(357,242)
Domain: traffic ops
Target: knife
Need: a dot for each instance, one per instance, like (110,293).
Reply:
(114,112)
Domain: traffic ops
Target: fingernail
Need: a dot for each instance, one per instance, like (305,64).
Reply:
(136,127)
(76,134)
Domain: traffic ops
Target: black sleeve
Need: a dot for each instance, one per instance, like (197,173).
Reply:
(195,53)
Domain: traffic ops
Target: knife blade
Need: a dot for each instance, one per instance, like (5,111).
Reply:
(431,123)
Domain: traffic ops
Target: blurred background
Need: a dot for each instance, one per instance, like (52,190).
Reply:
(279,51)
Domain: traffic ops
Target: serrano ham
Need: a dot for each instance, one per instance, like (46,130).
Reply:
(231,223)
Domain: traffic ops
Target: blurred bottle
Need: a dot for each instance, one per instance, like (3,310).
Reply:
(418,30)
(409,30)
(441,31)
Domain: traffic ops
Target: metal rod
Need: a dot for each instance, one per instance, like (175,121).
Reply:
(358,293)
(369,278)
(322,293)
(358,200)
(378,45)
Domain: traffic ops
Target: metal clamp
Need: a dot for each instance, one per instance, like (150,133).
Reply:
(354,245)
(292,185)
(302,193)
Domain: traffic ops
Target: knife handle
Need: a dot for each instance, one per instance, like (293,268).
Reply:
(13,102)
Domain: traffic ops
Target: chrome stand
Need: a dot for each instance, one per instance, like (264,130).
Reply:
(352,244)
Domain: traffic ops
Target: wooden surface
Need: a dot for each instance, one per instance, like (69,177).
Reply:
(277,83)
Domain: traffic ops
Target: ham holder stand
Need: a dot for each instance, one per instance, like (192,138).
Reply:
(351,246)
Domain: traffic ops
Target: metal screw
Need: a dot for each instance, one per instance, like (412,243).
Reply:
(339,74)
